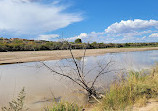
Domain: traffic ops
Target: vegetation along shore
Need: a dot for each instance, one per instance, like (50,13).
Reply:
(18,44)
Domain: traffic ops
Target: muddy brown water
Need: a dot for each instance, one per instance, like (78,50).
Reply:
(41,85)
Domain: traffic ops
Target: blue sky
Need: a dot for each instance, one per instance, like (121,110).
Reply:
(108,21)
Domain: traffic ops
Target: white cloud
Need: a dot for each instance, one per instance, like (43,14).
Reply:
(131,26)
(126,31)
(26,17)
(92,37)
(144,37)
(154,35)
(81,36)
(48,37)
(132,30)
(55,2)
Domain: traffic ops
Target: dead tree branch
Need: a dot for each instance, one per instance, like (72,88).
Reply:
(78,76)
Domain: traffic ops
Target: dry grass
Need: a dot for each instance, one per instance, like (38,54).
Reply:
(135,89)
(64,106)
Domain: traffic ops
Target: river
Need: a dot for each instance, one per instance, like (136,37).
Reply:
(42,85)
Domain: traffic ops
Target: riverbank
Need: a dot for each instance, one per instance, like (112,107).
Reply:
(34,56)
(135,91)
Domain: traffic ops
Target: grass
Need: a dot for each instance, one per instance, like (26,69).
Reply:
(18,104)
(134,89)
(64,106)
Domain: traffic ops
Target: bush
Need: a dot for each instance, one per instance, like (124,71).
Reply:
(18,104)
(64,106)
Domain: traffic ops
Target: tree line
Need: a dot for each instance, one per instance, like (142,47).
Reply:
(37,45)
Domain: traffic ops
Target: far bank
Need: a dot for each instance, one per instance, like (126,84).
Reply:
(34,56)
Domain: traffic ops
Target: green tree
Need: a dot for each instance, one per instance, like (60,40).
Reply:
(78,40)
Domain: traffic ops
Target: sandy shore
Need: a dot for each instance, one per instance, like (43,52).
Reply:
(32,56)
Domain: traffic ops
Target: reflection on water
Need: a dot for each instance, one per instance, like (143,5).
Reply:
(42,85)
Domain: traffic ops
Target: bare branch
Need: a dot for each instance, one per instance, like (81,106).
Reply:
(78,75)
(78,69)
(101,72)
(63,75)
(83,60)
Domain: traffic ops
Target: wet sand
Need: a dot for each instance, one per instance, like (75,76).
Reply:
(33,56)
